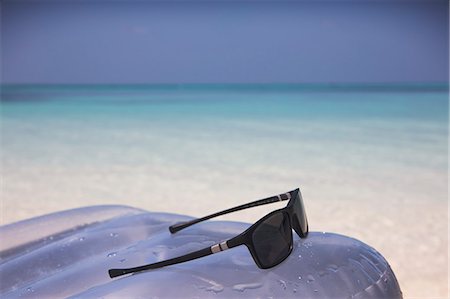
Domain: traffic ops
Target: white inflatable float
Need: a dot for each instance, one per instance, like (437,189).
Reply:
(68,254)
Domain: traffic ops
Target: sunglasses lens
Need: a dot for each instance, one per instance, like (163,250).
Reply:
(272,240)
(300,216)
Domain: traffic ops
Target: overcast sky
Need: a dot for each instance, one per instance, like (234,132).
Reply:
(224,42)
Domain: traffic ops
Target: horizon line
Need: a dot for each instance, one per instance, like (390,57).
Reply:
(444,86)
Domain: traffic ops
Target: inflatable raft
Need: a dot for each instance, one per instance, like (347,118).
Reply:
(68,254)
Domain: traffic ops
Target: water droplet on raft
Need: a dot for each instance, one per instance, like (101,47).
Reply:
(213,285)
(300,278)
(332,268)
(244,286)
(81,239)
(294,290)
(114,235)
(299,256)
(315,291)
(215,288)
(30,289)
(310,278)
(111,254)
(307,244)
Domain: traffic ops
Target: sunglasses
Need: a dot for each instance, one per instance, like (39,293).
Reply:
(269,240)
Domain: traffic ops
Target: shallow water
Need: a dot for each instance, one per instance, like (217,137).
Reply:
(367,160)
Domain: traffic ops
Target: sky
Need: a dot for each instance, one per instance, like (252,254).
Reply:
(142,42)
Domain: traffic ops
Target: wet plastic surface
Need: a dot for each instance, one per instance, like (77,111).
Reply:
(67,254)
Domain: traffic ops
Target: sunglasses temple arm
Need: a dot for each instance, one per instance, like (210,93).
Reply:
(181,259)
(182,225)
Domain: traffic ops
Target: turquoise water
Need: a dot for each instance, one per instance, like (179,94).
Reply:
(257,133)
(255,102)
(368,159)
(129,144)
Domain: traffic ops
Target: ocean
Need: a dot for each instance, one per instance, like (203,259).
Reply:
(139,143)
(371,160)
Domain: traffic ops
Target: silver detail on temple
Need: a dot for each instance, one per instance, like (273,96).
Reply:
(219,247)
(223,245)
(215,248)
(287,194)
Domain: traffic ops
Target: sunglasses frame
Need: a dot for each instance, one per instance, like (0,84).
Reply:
(245,238)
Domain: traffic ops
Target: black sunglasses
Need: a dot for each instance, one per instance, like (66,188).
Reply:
(269,240)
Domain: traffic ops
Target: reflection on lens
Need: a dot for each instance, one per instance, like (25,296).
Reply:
(272,239)
(299,210)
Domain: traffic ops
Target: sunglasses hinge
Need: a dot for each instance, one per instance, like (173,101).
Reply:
(284,196)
